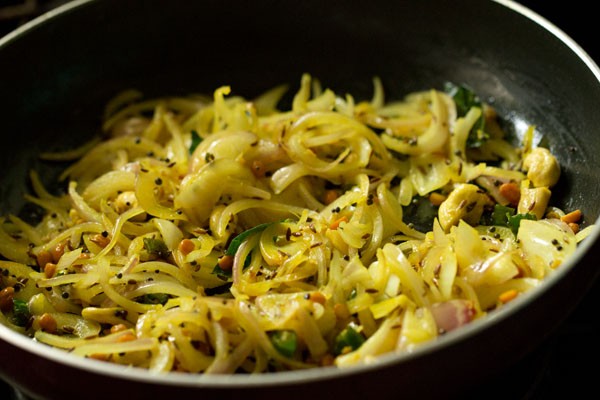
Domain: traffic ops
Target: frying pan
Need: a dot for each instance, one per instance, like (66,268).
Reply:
(65,65)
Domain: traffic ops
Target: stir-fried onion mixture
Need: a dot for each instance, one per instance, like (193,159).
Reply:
(221,235)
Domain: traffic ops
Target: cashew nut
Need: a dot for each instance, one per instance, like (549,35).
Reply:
(465,202)
(542,167)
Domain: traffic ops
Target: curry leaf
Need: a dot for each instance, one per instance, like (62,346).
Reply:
(465,99)
(221,289)
(153,298)
(156,247)
(515,221)
(221,273)
(21,313)
(196,139)
(501,214)
(506,216)
(239,239)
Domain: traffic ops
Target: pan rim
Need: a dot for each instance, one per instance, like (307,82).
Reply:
(315,374)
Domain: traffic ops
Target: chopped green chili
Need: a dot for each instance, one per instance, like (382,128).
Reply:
(285,341)
(348,338)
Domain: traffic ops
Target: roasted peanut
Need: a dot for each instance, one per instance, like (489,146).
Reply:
(6,298)
(48,323)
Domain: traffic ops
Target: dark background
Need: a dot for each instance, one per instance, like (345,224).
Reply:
(565,363)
